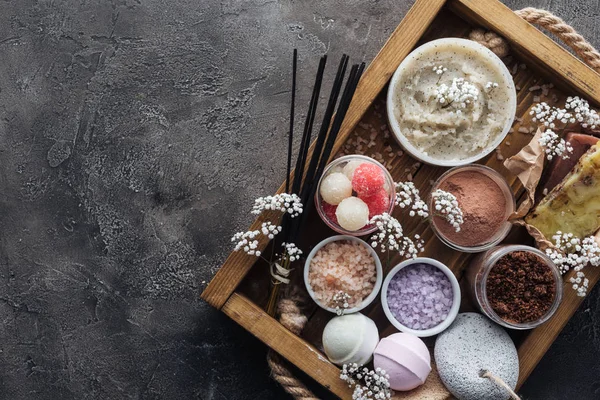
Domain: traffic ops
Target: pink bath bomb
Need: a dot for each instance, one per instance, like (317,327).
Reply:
(405,358)
(378,202)
(367,179)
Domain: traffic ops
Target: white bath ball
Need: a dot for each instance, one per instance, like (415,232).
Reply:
(335,187)
(350,167)
(352,213)
(471,344)
(351,338)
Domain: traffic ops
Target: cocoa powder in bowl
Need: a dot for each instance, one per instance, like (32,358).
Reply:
(520,287)
(483,204)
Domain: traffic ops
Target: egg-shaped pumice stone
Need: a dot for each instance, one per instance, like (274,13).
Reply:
(405,358)
(350,338)
(335,188)
(469,346)
(352,213)
(350,167)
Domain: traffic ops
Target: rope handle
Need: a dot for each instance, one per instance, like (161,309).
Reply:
(290,314)
(553,24)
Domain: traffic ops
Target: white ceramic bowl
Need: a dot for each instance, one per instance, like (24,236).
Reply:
(455,298)
(393,122)
(378,270)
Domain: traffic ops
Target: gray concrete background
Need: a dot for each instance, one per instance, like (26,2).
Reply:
(134,136)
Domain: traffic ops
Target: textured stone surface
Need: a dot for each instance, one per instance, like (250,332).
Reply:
(134,136)
(472,344)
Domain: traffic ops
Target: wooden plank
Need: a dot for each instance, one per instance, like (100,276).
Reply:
(296,350)
(534,45)
(403,39)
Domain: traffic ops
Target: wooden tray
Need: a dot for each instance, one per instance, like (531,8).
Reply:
(240,288)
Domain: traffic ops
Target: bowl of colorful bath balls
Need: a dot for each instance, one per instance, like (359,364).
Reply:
(352,190)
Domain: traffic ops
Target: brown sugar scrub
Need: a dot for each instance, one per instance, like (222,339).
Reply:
(486,201)
(521,287)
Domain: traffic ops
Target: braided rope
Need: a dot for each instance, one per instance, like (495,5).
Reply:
(491,40)
(294,320)
(291,316)
(564,32)
(550,22)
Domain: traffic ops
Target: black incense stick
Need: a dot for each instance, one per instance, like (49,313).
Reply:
(310,116)
(291,133)
(319,144)
(355,74)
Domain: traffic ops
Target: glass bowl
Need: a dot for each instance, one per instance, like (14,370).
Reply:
(477,274)
(337,166)
(510,208)
(456,297)
(378,269)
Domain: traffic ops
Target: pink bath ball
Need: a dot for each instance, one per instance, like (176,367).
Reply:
(367,179)
(329,211)
(378,202)
(405,358)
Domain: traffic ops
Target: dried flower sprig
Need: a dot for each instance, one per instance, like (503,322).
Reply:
(270,230)
(577,110)
(585,115)
(292,251)
(247,242)
(490,86)
(368,384)
(446,206)
(460,94)
(284,202)
(554,145)
(390,237)
(549,115)
(407,195)
(341,301)
(570,252)
(439,69)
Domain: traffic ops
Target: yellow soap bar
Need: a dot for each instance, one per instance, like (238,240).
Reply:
(573,206)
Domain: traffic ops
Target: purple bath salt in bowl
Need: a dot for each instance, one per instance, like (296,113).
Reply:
(421,295)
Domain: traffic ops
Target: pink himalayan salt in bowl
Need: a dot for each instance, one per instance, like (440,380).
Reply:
(343,263)
(450,314)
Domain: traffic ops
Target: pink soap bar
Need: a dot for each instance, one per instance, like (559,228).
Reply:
(405,358)
(559,168)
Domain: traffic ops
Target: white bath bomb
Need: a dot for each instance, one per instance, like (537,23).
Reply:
(350,167)
(405,358)
(350,338)
(335,187)
(352,213)
(471,344)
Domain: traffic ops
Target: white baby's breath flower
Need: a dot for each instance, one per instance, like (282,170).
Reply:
(446,206)
(460,93)
(368,384)
(439,69)
(341,301)
(407,195)
(583,114)
(570,252)
(270,230)
(554,145)
(390,237)
(292,251)
(284,202)
(247,242)
(490,86)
